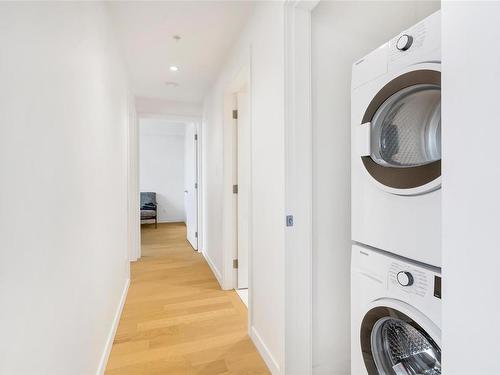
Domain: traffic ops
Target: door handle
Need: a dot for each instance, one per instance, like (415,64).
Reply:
(363,139)
(185,191)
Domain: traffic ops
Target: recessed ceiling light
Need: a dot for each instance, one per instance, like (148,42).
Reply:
(174,68)
(171,84)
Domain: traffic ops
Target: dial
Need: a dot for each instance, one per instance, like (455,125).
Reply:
(404,278)
(404,42)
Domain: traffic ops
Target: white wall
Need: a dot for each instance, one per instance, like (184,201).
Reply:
(342,32)
(212,175)
(161,166)
(63,183)
(471,186)
(157,107)
(264,34)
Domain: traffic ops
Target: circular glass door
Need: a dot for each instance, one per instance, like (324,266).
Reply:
(405,132)
(400,348)
(406,129)
(394,344)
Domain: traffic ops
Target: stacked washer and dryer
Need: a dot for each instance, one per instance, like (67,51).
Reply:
(396,205)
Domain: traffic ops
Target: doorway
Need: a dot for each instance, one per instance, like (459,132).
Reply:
(242,127)
(191,184)
(238,99)
(169,160)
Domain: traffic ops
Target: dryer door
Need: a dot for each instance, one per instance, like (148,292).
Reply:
(404,125)
(395,344)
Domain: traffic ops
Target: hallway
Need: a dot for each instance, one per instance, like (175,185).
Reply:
(176,319)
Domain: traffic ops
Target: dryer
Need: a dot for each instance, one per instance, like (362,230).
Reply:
(396,145)
(396,315)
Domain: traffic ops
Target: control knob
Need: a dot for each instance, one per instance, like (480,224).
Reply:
(404,42)
(404,278)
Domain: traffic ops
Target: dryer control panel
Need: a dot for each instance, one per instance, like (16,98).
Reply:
(400,277)
(421,43)
(408,42)
(408,279)
(379,275)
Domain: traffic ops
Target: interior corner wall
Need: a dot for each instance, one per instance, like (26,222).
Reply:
(264,37)
(342,32)
(64,112)
(471,186)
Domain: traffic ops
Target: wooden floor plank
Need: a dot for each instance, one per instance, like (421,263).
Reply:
(176,319)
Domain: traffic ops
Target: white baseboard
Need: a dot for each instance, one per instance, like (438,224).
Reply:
(264,352)
(179,221)
(214,269)
(163,221)
(112,332)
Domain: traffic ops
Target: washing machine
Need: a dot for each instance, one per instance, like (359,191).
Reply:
(396,315)
(396,145)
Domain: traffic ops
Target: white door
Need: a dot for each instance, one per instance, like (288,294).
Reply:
(244,144)
(191,185)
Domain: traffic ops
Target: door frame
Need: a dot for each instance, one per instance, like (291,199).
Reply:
(243,148)
(241,80)
(196,183)
(133,189)
(197,121)
(298,340)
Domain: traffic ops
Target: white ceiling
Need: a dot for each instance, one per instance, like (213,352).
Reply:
(208,30)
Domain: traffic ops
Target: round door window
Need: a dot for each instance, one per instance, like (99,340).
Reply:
(400,348)
(406,129)
(405,132)
(392,343)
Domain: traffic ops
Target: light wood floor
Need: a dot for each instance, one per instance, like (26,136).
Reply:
(176,319)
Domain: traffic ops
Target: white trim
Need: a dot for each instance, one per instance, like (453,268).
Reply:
(197,122)
(168,117)
(229,200)
(250,203)
(138,182)
(214,269)
(307,5)
(241,80)
(132,173)
(152,221)
(298,189)
(112,332)
(265,353)
(199,181)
